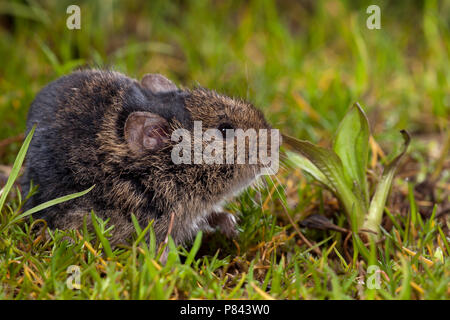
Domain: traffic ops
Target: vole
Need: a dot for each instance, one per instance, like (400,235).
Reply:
(103,128)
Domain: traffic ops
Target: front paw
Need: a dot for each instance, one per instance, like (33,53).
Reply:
(225,222)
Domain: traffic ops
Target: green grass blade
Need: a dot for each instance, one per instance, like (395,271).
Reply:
(51,203)
(16,167)
(142,234)
(194,249)
(136,224)
(351,144)
(101,236)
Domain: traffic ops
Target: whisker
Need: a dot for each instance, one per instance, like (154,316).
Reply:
(247,190)
(282,186)
(269,191)
(259,184)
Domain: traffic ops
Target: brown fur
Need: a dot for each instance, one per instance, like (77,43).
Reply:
(79,153)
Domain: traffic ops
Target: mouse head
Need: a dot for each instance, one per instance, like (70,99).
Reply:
(222,146)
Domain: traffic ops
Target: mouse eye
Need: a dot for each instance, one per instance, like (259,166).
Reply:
(223,129)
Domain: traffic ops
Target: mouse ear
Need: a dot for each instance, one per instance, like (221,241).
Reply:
(157,83)
(146,131)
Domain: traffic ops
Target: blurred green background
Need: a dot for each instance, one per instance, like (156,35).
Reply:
(303,62)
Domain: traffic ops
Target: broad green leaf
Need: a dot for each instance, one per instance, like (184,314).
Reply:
(331,167)
(351,144)
(324,159)
(381,193)
(307,166)
(16,167)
